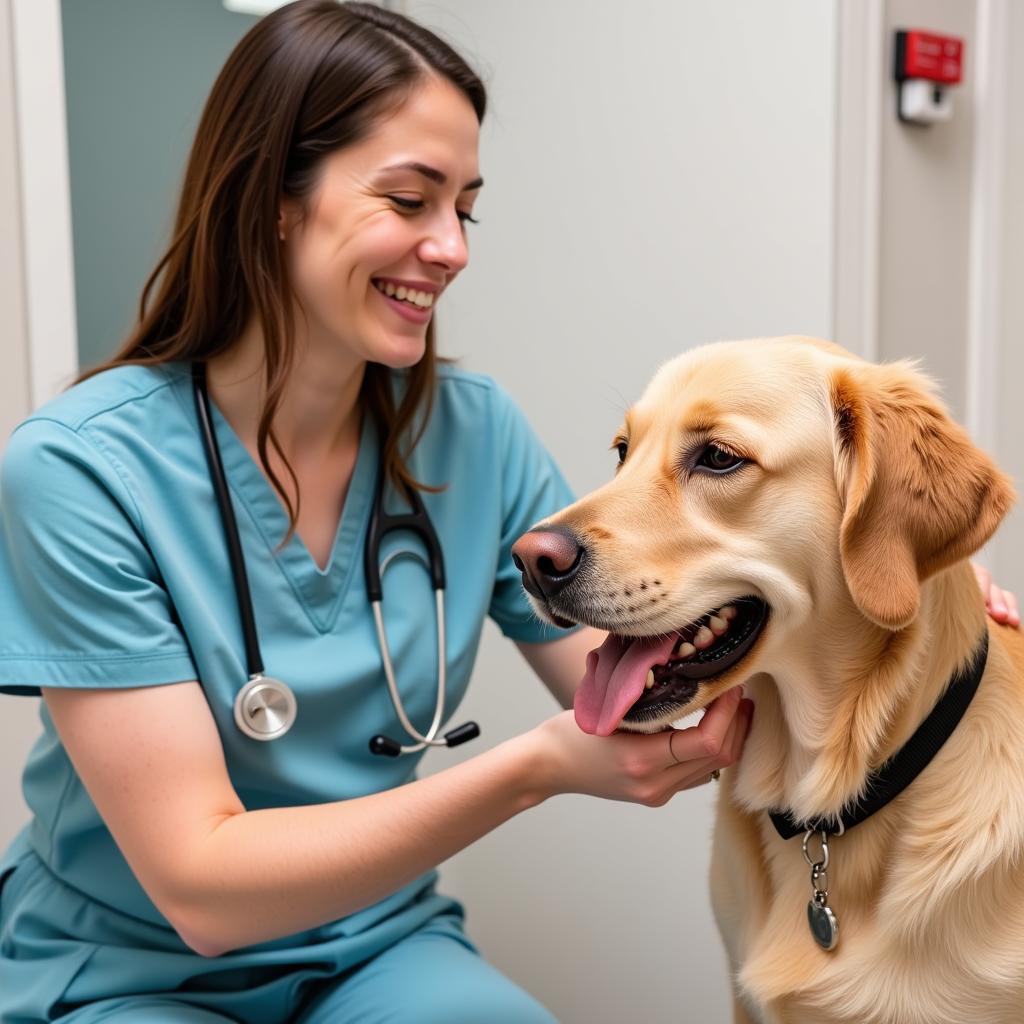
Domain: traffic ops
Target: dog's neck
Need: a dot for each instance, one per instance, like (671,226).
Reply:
(850,696)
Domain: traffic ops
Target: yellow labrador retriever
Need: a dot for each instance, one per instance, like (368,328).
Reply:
(791,518)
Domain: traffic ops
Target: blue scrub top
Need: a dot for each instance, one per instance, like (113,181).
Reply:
(114,573)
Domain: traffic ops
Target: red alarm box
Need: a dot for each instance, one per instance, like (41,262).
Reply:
(926,64)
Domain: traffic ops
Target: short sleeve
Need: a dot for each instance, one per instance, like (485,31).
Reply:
(81,599)
(532,488)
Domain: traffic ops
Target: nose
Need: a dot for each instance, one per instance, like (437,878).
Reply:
(549,559)
(447,245)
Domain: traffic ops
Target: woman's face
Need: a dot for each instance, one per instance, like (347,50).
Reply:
(384,233)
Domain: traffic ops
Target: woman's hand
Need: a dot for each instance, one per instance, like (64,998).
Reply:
(999,603)
(640,768)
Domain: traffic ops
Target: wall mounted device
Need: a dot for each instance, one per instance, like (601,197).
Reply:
(926,65)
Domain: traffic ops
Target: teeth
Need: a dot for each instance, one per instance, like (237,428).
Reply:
(417,298)
(650,679)
(704,638)
(727,612)
(718,626)
(686,651)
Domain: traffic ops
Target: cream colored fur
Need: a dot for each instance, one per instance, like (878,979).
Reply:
(853,520)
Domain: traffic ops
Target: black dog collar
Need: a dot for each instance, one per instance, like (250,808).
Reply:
(909,761)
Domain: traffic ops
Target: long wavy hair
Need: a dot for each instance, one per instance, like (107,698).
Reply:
(306,80)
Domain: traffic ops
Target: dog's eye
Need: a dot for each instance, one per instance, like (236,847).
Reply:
(718,460)
(622,448)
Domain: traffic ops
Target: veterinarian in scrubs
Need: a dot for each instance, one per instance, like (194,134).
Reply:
(176,868)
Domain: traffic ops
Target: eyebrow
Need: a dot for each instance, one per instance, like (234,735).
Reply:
(433,174)
(702,418)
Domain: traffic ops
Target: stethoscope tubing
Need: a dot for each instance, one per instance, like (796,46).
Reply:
(236,556)
(430,738)
(266,708)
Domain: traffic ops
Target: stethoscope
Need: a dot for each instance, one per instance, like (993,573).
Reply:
(265,708)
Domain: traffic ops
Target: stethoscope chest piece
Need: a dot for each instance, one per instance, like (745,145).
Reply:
(265,708)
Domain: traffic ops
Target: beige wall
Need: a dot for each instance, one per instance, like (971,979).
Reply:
(19,719)
(925,214)
(925,236)
(1008,547)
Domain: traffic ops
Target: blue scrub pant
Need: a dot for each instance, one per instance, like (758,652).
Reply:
(434,976)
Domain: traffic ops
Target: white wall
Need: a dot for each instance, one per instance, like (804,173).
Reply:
(658,174)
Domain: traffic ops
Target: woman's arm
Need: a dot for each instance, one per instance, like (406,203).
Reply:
(152,761)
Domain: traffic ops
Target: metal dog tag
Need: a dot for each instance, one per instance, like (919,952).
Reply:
(824,926)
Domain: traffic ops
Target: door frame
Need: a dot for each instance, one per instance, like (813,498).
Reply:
(45,186)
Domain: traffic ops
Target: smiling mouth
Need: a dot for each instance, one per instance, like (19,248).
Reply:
(421,300)
(636,680)
(673,684)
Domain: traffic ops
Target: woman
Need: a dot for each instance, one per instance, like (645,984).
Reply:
(177,868)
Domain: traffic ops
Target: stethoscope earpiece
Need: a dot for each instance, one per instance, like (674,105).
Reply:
(387,747)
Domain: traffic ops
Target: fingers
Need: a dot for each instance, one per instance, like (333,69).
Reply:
(698,771)
(1013,618)
(708,737)
(691,775)
(1000,604)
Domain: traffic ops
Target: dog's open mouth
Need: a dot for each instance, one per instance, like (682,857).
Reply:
(642,679)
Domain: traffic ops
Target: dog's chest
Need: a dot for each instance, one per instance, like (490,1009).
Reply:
(914,948)
(883,970)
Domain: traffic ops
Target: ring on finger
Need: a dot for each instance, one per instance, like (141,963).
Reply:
(670,750)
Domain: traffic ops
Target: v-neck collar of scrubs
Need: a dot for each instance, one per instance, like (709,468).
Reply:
(321,591)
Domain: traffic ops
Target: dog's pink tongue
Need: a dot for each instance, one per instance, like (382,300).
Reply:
(616,674)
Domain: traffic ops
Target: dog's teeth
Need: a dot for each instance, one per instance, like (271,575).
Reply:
(687,651)
(727,612)
(704,638)
(650,679)
(718,626)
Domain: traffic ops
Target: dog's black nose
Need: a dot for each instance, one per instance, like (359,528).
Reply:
(548,558)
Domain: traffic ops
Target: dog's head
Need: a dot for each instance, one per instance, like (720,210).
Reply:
(761,485)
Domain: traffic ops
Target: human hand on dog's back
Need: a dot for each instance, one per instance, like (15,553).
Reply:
(1000,604)
(635,767)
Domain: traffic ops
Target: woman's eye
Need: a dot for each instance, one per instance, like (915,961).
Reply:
(718,460)
(407,204)
(622,448)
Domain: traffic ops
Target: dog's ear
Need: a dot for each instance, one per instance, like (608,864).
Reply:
(917,494)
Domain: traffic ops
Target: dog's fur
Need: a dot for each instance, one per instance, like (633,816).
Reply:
(854,518)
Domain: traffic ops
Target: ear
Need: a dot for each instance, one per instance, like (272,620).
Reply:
(289,214)
(917,494)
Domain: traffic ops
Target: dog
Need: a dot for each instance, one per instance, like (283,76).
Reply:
(792,518)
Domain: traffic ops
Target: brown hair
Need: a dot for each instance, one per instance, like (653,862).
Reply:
(306,80)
